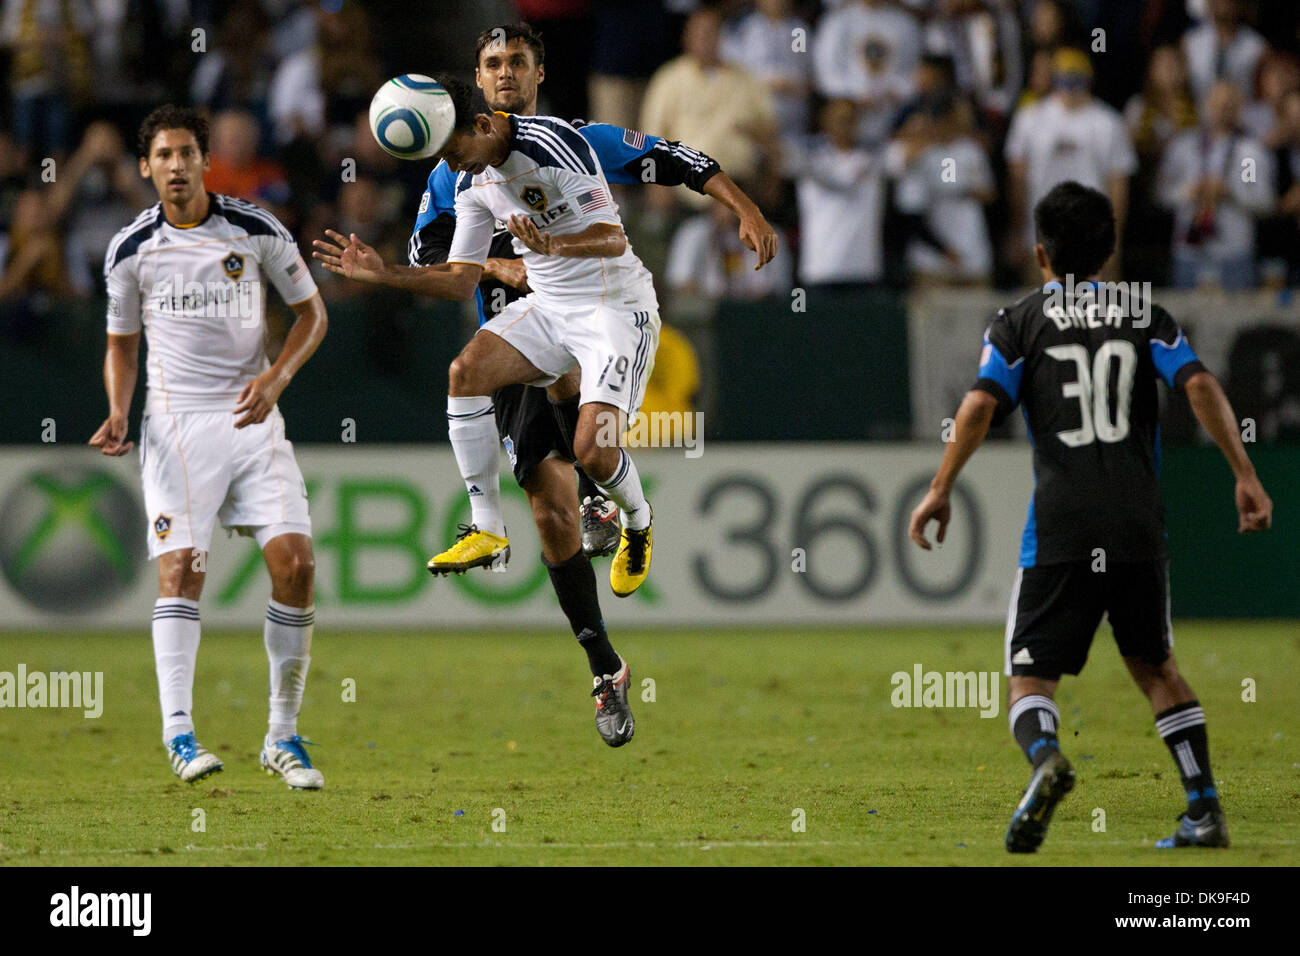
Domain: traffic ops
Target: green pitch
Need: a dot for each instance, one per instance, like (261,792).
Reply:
(451,738)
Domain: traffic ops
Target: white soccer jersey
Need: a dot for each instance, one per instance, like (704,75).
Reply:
(199,293)
(553,177)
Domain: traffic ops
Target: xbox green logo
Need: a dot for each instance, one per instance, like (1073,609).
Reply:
(70,538)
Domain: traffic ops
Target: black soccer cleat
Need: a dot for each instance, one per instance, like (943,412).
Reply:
(1209,829)
(613,715)
(600,530)
(1053,779)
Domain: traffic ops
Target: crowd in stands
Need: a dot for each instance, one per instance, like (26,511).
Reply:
(899,142)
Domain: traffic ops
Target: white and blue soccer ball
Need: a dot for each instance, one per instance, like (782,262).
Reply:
(412,116)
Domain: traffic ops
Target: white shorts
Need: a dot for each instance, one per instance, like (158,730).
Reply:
(614,345)
(199,469)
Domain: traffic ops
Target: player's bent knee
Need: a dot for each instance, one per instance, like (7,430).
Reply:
(460,378)
(180,574)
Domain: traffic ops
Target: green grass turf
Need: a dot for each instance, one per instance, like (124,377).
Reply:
(747,727)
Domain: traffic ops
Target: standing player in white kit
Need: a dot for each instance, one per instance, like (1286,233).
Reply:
(192,272)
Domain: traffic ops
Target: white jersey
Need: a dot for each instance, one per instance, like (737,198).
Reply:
(553,177)
(199,293)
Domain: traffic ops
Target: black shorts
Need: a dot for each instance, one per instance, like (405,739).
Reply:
(1056,609)
(529,429)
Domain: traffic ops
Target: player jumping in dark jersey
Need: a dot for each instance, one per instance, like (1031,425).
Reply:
(1084,370)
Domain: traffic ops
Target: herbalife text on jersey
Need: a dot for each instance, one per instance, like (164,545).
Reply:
(75,689)
(1095,304)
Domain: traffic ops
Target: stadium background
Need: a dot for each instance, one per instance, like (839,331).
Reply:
(824,386)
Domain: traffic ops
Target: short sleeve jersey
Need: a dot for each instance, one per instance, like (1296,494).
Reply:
(1084,370)
(199,294)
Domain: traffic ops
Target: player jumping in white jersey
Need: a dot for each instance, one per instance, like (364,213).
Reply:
(592,305)
(191,272)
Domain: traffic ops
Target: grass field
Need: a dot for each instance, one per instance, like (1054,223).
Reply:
(746,728)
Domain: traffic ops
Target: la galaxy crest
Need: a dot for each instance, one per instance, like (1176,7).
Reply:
(162,526)
(234,266)
(534,198)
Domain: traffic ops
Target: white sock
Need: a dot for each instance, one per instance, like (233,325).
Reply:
(473,433)
(624,489)
(288,647)
(175,649)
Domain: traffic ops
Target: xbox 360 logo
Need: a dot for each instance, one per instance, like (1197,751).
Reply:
(70,538)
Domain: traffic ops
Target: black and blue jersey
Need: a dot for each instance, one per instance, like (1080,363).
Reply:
(1085,377)
(626,157)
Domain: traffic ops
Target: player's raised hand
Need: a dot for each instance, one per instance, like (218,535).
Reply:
(934,507)
(757,234)
(111,437)
(348,257)
(258,397)
(522,228)
(1254,507)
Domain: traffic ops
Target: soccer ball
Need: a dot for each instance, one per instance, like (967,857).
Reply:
(411,116)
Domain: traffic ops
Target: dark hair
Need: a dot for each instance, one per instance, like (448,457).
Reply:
(943,64)
(466,98)
(1076,226)
(172,117)
(507,32)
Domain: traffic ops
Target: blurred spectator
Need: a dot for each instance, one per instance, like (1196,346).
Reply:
(707,259)
(1069,135)
(1165,106)
(236,73)
(12,182)
(33,268)
(867,51)
(565,28)
(763,43)
(1279,74)
(49,73)
(631,39)
(98,188)
(1038,85)
(982,37)
(1222,48)
(361,209)
(716,107)
(1280,235)
(841,192)
(236,168)
(1218,181)
(327,82)
(943,178)
(1052,24)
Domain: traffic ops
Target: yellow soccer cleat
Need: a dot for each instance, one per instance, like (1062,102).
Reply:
(632,560)
(473,549)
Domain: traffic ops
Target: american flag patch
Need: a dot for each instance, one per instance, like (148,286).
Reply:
(634,139)
(595,199)
(296,271)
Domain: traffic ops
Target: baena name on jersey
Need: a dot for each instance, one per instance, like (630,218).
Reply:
(226,299)
(1095,305)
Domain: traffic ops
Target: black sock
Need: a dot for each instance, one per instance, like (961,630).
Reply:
(1183,730)
(574,582)
(566,418)
(1034,720)
(586,487)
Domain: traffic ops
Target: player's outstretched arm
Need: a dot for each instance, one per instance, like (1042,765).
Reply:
(121,365)
(755,231)
(969,431)
(353,259)
(259,396)
(600,240)
(1214,412)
